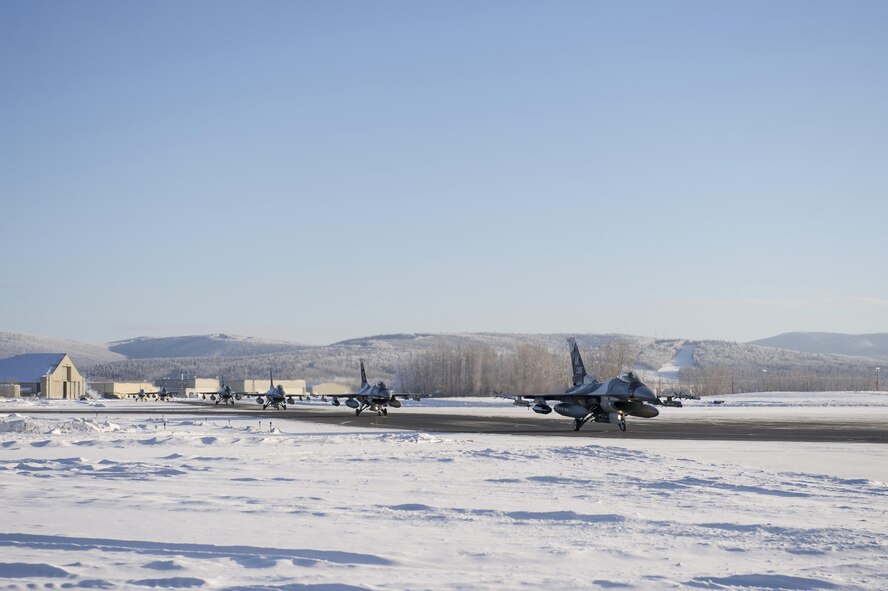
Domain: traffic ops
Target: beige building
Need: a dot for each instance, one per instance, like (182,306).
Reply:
(188,386)
(261,386)
(48,375)
(325,388)
(10,390)
(112,389)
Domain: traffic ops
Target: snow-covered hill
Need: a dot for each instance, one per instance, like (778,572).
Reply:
(542,359)
(211,345)
(83,354)
(873,345)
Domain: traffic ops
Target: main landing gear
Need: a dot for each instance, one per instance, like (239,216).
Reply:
(578,423)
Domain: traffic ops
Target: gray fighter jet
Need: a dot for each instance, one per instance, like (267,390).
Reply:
(588,399)
(161,394)
(377,397)
(225,395)
(275,396)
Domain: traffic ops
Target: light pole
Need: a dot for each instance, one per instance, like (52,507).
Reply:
(877,378)
(764,375)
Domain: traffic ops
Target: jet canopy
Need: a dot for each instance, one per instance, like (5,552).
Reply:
(629,377)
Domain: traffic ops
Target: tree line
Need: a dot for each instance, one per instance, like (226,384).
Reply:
(478,369)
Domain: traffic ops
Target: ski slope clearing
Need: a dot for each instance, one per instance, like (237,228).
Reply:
(232,502)
(682,360)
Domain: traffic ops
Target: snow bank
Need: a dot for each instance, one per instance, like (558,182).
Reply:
(16,423)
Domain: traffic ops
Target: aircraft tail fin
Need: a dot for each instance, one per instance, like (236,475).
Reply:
(271,377)
(363,375)
(576,363)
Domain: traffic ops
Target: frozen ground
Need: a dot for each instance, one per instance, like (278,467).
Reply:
(125,501)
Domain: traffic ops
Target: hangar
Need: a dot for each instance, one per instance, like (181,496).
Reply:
(48,375)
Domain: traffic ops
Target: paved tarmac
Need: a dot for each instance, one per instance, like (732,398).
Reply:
(838,430)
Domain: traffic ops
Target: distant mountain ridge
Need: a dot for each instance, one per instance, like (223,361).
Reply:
(742,365)
(874,345)
(211,345)
(14,343)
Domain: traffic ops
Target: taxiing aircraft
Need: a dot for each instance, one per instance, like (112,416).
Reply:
(162,394)
(275,396)
(225,395)
(603,402)
(377,397)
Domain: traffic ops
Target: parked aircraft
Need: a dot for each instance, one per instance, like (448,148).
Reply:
(275,396)
(675,398)
(603,402)
(377,397)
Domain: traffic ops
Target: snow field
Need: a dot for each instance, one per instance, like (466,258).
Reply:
(122,502)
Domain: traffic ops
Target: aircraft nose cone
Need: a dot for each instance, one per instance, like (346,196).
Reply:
(645,393)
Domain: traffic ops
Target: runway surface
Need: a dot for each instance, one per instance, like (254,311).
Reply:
(451,421)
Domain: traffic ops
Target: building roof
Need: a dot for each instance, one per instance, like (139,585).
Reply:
(30,367)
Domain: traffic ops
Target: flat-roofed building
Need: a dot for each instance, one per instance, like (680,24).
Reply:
(325,388)
(49,375)
(120,389)
(188,386)
(10,390)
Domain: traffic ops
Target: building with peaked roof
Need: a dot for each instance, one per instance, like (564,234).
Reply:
(49,375)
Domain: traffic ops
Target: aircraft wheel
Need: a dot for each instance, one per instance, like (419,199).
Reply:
(357,411)
(385,411)
(264,406)
(622,425)
(577,424)
(284,406)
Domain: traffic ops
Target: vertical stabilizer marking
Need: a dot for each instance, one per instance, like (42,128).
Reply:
(576,363)
(363,375)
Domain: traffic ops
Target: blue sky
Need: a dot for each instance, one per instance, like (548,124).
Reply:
(316,171)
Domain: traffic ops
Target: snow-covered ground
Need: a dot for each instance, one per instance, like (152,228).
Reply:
(129,501)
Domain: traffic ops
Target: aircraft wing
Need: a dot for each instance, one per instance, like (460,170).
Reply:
(401,395)
(561,397)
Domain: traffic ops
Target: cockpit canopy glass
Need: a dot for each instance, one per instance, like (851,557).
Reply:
(381,385)
(629,377)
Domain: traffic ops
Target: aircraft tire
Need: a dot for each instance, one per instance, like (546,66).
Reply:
(577,424)
(385,412)
(622,425)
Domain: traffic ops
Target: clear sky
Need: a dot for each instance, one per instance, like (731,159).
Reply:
(315,171)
